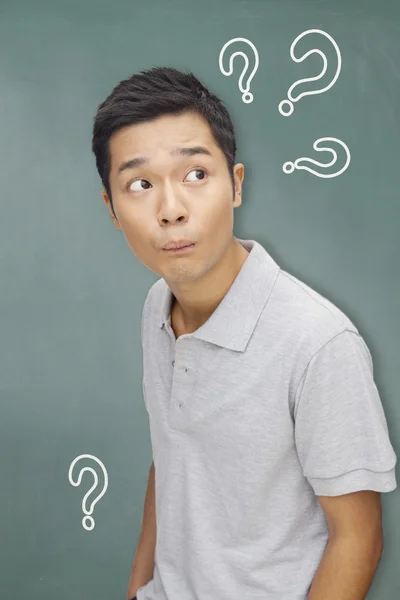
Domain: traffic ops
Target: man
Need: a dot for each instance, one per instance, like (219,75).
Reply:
(270,444)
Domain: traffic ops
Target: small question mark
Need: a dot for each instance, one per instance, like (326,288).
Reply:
(88,521)
(247,96)
(289,166)
(289,103)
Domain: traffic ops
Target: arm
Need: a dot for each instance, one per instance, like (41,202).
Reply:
(343,445)
(346,570)
(143,564)
(354,547)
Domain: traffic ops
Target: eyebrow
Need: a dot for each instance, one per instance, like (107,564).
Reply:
(142,160)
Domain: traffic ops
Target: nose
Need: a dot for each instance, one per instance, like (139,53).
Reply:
(172,210)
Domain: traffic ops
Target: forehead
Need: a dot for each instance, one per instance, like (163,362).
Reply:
(159,136)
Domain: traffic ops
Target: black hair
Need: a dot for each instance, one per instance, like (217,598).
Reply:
(150,94)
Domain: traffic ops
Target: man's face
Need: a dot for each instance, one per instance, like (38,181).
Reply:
(173,196)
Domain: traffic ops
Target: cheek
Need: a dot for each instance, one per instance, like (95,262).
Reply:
(222,209)
(135,228)
(143,250)
(133,219)
(218,199)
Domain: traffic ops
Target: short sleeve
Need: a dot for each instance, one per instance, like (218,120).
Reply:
(341,433)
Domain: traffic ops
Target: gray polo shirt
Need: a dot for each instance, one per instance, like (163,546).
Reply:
(268,404)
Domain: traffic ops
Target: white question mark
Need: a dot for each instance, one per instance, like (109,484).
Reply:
(289,166)
(88,521)
(291,100)
(247,96)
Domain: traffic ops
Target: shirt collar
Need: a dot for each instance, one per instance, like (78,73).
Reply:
(235,318)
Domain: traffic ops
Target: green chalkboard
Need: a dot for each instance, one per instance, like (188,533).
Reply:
(72,292)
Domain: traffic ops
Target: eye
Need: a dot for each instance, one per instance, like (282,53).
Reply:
(139,187)
(197,171)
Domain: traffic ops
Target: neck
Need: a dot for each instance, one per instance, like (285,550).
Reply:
(194,303)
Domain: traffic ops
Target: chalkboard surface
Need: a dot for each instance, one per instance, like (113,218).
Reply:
(72,292)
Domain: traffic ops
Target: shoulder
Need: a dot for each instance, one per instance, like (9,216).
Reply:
(311,314)
(153,301)
(302,320)
(155,294)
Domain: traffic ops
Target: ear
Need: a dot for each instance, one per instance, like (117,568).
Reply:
(110,210)
(238,174)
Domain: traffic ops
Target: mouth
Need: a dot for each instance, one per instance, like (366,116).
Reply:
(180,250)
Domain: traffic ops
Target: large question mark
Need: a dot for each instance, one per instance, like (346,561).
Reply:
(247,96)
(88,521)
(289,166)
(298,60)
